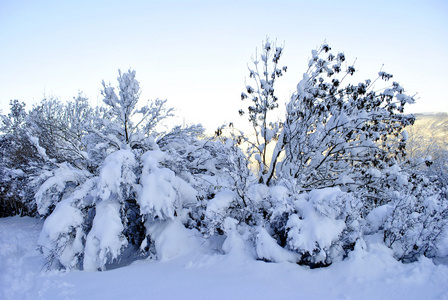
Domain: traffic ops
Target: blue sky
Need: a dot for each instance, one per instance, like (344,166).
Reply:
(195,53)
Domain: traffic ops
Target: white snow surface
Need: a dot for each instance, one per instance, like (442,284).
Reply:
(370,272)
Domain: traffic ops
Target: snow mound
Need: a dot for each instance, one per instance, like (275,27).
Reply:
(172,239)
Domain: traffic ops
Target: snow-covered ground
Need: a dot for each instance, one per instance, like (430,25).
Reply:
(202,274)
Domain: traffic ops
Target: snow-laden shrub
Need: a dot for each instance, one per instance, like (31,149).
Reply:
(414,225)
(97,224)
(99,205)
(314,228)
(105,240)
(57,184)
(325,225)
(162,193)
(62,239)
(333,130)
(19,163)
(413,219)
(336,175)
(141,187)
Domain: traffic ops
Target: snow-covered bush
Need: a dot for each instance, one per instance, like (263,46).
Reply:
(140,186)
(313,228)
(340,135)
(55,185)
(113,188)
(20,163)
(325,226)
(414,221)
(63,235)
(337,134)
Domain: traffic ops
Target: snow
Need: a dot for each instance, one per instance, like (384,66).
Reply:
(56,225)
(57,181)
(405,135)
(161,190)
(171,238)
(233,243)
(219,204)
(375,173)
(319,223)
(116,172)
(105,238)
(268,249)
(370,272)
(376,218)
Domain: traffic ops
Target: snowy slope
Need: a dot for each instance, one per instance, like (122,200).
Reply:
(201,274)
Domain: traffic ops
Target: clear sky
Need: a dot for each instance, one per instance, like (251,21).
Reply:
(195,53)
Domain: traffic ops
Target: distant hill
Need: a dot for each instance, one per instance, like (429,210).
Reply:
(430,125)
(428,136)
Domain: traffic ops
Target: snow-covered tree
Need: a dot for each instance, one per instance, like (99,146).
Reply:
(20,163)
(138,184)
(264,73)
(126,122)
(339,135)
(113,187)
(105,189)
